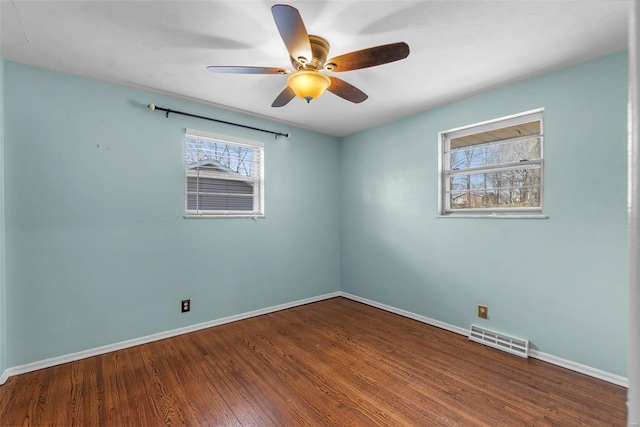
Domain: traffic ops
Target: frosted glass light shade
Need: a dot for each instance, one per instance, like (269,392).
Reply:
(308,84)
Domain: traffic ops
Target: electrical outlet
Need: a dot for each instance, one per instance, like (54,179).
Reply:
(186,305)
(483,311)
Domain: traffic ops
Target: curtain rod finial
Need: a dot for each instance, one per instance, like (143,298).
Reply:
(152,107)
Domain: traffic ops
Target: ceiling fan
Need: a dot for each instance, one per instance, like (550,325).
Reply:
(308,55)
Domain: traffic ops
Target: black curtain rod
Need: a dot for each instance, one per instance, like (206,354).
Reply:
(153,107)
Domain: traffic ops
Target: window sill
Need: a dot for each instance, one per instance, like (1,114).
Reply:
(254,217)
(495,216)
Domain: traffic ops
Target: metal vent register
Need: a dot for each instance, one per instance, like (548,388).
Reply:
(512,345)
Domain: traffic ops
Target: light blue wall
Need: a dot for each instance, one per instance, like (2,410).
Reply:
(560,282)
(98,250)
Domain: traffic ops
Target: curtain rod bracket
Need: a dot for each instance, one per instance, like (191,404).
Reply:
(153,107)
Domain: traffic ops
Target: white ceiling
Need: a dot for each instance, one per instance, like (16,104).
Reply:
(458,48)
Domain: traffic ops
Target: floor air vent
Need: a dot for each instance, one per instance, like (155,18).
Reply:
(512,345)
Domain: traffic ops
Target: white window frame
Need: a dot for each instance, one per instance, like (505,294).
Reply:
(444,139)
(258,180)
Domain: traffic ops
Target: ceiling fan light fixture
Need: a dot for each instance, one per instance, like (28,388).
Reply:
(308,84)
(308,55)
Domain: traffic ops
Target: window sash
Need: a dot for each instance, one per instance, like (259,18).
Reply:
(505,197)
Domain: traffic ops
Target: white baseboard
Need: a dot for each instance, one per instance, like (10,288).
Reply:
(583,369)
(568,364)
(59,360)
(46,363)
(410,315)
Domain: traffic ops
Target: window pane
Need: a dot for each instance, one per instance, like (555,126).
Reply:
(495,180)
(513,188)
(489,199)
(219,157)
(495,153)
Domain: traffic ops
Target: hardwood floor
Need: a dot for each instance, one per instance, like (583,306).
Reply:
(335,362)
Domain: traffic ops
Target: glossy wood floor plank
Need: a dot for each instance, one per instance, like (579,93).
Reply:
(335,362)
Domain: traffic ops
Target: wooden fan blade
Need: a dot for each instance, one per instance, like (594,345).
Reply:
(346,90)
(368,57)
(285,96)
(292,30)
(246,70)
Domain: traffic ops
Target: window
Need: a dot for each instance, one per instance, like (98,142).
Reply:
(224,176)
(494,167)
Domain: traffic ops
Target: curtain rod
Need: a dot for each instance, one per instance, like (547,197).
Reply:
(153,107)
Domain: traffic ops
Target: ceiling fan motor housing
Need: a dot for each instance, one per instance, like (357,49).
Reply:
(319,50)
